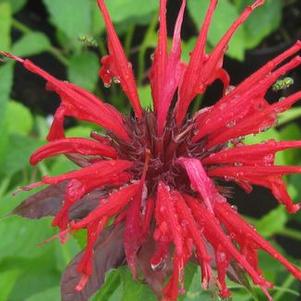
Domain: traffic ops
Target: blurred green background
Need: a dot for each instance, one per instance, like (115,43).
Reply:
(67,39)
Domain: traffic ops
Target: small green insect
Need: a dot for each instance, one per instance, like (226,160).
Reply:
(88,41)
(282,84)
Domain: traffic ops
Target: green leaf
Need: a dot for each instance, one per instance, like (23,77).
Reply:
(78,131)
(18,118)
(291,132)
(31,44)
(71,17)
(21,236)
(6,79)
(289,115)
(7,281)
(145,97)
(21,147)
(272,133)
(16,5)
(124,11)
(83,70)
(5,25)
(262,21)
(38,275)
(51,294)
(111,289)
(134,290)
(226,13)
(273,222)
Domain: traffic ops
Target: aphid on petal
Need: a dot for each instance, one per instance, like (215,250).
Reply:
(156,173)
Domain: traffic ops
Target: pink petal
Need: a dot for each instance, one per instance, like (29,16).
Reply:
(201,182)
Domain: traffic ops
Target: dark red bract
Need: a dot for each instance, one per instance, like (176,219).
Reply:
(159,169)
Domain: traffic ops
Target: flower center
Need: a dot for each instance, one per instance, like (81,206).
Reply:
(162,151)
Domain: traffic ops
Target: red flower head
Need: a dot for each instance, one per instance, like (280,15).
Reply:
(159,173)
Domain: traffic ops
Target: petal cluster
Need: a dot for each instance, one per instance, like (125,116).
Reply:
(161,171)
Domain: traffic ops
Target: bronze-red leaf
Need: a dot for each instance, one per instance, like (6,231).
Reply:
(108,254)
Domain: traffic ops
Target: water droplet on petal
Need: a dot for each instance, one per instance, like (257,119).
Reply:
(116,80)
(234,208)
(229,89)
(231,124)
(159,266)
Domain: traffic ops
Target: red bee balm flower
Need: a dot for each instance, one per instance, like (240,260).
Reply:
(154,176)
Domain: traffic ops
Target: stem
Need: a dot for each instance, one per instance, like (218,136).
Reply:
(144,45)
(287,232)
(289,116)
(129,39)
(290,233)
(102,48)
(4,186)
(43,169)
(284,287)
(52,50)
(197,103)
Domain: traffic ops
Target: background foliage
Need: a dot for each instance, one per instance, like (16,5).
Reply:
(62,36)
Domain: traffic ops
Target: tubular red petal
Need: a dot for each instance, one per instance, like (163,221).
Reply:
(267,176)
(157,74)
(245,171)
(235,117)
(167,206)
(250,154)
(255,123)
(263,71)
(214,62)
(122,67)
(204,259)
(167,73)
(222,264)
(112,206)
(171,290)
(57,127)
(72,145)
(190,84)
(233,104)
(85,265)
(100,169)
(216,236)
(78,103)
(133,236)
(200,181)
(242,229)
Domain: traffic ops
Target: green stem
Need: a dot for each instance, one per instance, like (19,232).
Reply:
(102,48)
(287,232)
(289,116)
(284,287)
(197,103)
(54,51)
(291,233)
(43,169)
(129,39)
(145,44)
(4,186)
